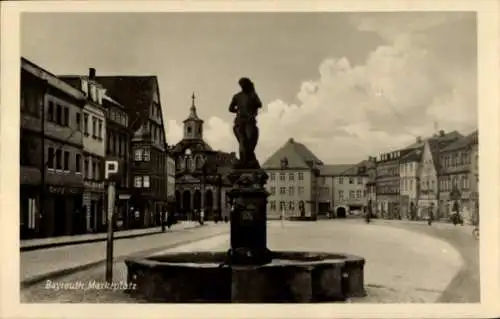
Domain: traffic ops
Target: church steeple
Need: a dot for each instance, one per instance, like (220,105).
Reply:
(193,125)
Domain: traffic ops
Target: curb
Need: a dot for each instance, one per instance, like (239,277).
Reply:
(95,240)
(68,271)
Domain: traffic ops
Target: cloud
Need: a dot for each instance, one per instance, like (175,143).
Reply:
(350,112)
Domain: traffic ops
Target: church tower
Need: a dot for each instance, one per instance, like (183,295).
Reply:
(193,125)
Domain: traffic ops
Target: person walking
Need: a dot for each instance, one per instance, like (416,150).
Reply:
(202,216)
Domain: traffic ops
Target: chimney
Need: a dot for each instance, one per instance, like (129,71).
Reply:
(291,140)
(419,139)
(441,133)
(91,73)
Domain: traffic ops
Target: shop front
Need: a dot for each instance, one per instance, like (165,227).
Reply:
(62,211)
(93,206)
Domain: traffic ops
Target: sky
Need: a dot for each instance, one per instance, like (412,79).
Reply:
(348,85)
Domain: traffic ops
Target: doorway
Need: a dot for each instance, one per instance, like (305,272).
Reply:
(341,212)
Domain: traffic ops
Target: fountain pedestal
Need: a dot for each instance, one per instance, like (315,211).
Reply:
(248,218)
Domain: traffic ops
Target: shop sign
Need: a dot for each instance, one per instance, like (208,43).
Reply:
(64,190)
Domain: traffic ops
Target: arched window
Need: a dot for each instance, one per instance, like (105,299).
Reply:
(189,163)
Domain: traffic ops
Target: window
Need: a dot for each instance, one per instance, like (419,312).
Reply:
(301,190)
(360,180)
(282,206)
(301,176)
(146,156)
(94,127)
(86,124)
(282,190)
(273,190)
(272,205)
(50,115)
(358,193)
(291,191)
(273,176)
(66,116)
(58,159)
(58,114)
(291,176)
(86,170)
(50,158)
(341,194)
(78,122)
(341,180)
(291,205)
(94,170)
(351,180)
(99,132)
(138,181)
(78,163)
(138,155)
(145,182)
(351,194)
(66,161)
(282,176)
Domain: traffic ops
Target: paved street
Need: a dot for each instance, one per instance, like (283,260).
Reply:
(405,262)
(37,263)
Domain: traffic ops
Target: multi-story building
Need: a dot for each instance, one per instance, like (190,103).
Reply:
(51,106)
(118,148)
(350,190)
(474,170)
(201,172)
(170,180)
(326,183)
(140,97)
(293,181)
(388,184)
(456,177)
(409,169)
(371,183)
(92,122)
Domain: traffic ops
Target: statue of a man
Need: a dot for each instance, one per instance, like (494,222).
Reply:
(246,104)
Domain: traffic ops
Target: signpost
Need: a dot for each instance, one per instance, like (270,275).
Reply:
(110,169)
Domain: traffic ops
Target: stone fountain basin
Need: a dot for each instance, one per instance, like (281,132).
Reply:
(205,277)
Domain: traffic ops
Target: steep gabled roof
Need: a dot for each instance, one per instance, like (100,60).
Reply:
(334,170)
(357,169)
(414,156)
(135,93)
(297,154)
(463,142)
(436,148)
(453,135)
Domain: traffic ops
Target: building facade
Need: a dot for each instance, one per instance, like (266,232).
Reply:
(388,184)
(294,182)
(371,184)
(456,177)
(118,148)
(350,190)
(92,123)
(201,173)
(61,152)
(170,180)
(409,170)
(140,97)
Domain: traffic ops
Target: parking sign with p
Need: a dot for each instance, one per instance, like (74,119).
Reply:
(111,169)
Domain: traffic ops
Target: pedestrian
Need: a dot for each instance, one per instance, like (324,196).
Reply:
(431,216)
(202,216)
(282,218)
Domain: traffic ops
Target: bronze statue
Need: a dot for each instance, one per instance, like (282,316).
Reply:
(246,104)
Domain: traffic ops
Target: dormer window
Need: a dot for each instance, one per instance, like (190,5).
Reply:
(85,87)
(93,92)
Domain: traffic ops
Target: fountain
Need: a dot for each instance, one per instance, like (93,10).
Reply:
(249,272)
